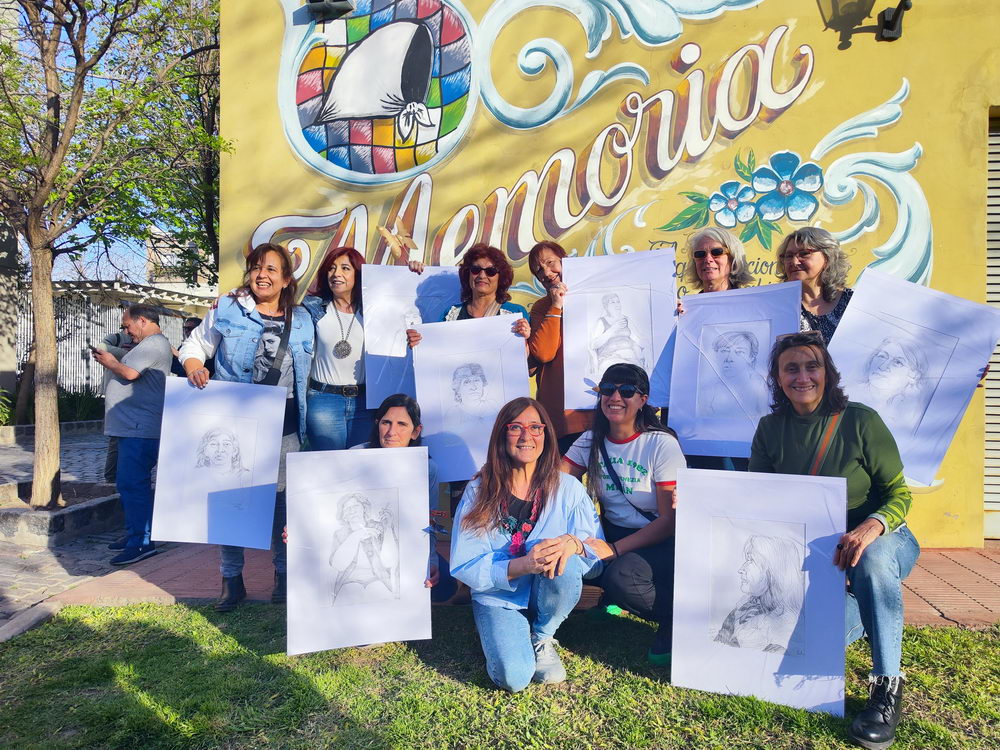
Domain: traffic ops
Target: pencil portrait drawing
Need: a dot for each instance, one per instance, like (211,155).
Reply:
(364,560)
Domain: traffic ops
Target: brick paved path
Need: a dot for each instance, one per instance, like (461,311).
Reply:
(82,459)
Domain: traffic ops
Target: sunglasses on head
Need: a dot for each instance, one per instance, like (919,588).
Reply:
(715,251)
(626,391)
(490,271)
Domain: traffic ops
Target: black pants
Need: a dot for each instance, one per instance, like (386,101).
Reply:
(641,581)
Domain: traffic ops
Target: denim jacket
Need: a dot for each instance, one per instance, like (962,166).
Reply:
(480,560)
(230,333)
(315,306)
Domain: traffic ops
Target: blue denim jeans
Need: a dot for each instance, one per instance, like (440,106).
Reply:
(508,635)
(335,422)
(231,563)
(875,598)
(136,459)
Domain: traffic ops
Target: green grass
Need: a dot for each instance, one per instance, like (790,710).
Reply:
(178,677)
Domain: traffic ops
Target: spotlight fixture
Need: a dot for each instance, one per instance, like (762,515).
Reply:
(329,10)
(890,21)
(846,16)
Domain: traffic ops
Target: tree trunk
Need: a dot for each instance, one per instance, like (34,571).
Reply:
(45,488)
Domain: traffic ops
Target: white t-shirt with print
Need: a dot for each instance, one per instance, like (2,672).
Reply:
(643,462)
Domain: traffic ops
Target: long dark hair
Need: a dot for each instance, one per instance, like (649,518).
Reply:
(323,282)
(834,398)
(286,300)
(396,399)
(494,478)
(645,419)
(482,250)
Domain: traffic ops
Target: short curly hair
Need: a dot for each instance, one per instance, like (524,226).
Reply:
(490,253)
(833,279)
(739,274)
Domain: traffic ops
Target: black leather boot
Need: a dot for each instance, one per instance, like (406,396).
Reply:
(233,592)
(875,727)
(280,593)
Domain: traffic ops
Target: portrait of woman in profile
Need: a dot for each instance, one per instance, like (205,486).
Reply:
(772,584)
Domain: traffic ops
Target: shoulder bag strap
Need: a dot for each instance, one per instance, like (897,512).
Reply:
(824,443)
(274,374)
(618,484)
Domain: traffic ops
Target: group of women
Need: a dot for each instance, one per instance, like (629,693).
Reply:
(526,532)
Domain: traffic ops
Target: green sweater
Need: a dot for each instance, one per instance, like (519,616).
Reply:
(862,451)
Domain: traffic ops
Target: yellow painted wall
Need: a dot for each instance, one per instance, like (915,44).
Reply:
(948,60)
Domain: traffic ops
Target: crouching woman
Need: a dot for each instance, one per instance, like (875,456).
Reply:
(517,544)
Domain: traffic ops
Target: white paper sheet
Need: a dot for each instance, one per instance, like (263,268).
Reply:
(396,299)
(465,371)
(357,548)
(619,308)
(719,386)
(758,602)
(218,464)
(914,355)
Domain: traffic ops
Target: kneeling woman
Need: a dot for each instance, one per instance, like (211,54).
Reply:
(631,462)
(517,543)
(814,429)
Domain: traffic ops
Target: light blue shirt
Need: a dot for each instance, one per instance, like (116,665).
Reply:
(480,560)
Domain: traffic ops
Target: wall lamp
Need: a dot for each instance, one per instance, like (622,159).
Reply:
(329,10)
(846,16)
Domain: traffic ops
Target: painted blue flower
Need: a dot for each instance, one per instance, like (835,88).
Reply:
(732,204)
(787,184)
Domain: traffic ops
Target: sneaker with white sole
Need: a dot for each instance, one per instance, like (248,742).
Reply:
(133,554)
(549,668)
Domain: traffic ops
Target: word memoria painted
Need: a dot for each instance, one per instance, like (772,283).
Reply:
(652,136)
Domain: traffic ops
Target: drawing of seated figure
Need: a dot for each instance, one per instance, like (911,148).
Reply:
(772,582)
(895,379)
(739,387)
(365,556)
(219,461)
(613,338)
(472,408)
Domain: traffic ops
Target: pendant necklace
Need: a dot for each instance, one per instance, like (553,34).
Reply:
(342,348)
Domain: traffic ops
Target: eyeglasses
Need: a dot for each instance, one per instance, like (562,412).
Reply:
(626,391)
(715,251)
(490,271)
(800,254)
(534,429)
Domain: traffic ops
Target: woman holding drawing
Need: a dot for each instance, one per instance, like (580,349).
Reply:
(812,255)
(397,425)
(718,263)
(518,542)
(337,416)
(240,332)
(631,461)
(814,429)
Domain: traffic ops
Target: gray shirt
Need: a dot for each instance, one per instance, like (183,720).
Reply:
(134,408)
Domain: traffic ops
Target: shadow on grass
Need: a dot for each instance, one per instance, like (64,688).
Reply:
(120,679)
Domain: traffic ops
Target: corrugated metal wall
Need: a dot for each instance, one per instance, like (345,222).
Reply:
(991,470)
(80,321)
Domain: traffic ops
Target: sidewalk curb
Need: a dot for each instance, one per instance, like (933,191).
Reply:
(30,618)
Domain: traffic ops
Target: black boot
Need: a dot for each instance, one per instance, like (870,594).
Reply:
(233,592)
(875,727)
(280,593)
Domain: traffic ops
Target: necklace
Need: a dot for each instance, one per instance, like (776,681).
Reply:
(342,348)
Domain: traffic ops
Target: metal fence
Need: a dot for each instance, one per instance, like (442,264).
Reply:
(79,322)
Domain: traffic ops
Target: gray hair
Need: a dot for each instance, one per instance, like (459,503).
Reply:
(834,277)
(739,275)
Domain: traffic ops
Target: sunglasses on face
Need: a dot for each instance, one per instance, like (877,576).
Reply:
(626,391)
(715,251)
(516,428)
(800,254)
(490,271)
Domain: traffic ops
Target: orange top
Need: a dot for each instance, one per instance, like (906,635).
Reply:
(546,356)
